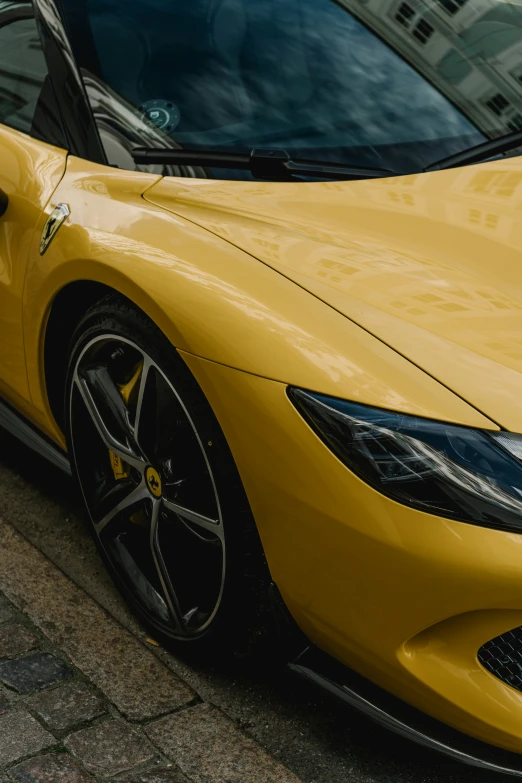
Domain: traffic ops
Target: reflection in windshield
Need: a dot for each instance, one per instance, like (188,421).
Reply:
(389,83)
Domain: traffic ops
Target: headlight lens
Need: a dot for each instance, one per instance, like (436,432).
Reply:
(452,471)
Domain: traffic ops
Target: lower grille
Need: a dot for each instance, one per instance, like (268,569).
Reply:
(503,657)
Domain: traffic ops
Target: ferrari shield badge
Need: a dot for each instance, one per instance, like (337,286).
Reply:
(53,223)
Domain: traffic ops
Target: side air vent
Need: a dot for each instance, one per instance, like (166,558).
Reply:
(503,657)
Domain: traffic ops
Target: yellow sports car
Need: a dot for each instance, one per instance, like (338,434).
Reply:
(261,291)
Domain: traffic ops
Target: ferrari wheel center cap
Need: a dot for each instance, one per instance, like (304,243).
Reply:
(153,480)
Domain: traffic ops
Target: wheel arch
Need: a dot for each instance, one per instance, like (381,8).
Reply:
(67,302)
(66,311)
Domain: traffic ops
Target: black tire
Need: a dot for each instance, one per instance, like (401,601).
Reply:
(183,561)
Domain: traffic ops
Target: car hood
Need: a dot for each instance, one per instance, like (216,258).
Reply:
(430,264)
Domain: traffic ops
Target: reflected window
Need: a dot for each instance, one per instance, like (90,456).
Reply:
(515,123)
(497,104)
(423,31)
(405,14)
(495,183)
(27,101)
(452,6)
(487,220)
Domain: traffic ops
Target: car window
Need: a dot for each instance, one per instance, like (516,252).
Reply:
(307,76)
(392,83)
(27,101)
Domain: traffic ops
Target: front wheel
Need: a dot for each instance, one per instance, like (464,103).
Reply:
(166,505)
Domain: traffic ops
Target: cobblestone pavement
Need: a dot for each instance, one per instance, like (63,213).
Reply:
(82,700)
(84,696)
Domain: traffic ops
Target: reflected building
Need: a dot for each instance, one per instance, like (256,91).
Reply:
(470,51)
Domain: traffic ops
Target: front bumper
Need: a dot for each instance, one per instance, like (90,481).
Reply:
(405,599)
(397,716)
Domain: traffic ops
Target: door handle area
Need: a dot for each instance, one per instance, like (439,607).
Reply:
(4,202)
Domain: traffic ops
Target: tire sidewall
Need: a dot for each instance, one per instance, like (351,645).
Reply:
(246,573)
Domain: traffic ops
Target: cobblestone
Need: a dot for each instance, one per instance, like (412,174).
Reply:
(160,775)
(54,725)
(52,768)
(68,706)
(34,672)
(21,735)
(5,702)
(209,748)
(109,748)
(6,611)
(129,674)
(15,639)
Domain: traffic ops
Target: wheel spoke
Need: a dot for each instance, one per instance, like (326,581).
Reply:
(138,422)
(168,590)
(206,523)
(134,498)
(112,442)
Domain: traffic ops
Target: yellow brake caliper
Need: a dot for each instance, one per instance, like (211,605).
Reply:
(119,467)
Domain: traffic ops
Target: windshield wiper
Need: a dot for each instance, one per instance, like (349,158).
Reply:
(263,164)
(480,152)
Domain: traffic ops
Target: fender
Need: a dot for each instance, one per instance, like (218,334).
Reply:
(209,298)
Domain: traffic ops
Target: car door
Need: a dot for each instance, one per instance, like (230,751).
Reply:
(32,163)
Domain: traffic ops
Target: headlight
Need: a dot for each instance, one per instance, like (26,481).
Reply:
(444,469)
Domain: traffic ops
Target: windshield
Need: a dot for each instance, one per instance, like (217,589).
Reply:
(370,82)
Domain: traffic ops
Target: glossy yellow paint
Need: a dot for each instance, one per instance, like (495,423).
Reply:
(400,293)
(404,598)
(29,173)
(430,264)
(212,300)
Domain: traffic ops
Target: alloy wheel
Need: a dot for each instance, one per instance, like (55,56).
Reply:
(148,485)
